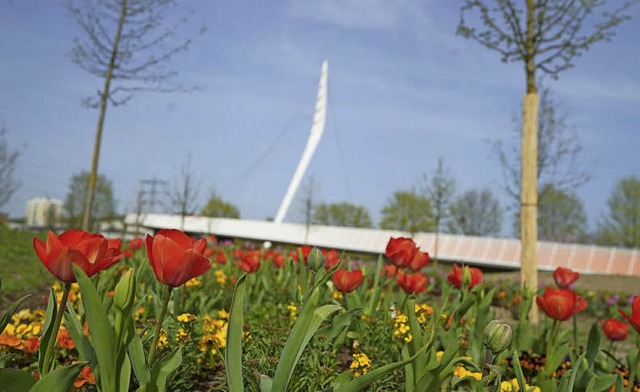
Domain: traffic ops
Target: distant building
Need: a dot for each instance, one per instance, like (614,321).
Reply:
(43,212)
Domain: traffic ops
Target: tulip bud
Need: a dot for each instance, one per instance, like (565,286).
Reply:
(497,336)
(125,291)
(316,259)
(466,276)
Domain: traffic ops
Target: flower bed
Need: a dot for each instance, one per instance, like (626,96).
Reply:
(175,313)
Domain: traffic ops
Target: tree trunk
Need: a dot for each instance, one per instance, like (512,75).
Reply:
(104,100)
(529,199)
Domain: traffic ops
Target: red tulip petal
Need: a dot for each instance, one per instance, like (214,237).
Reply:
(169,258)
(154,266)
(93,248)
(40,248)
(200,245)
(104,263)
(631,321)
(180,238)
(72,238)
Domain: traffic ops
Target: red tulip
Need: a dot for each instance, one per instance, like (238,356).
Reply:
(114,246)
(175,257)
(221,257)
(564,277)
(559,304)
(208,252)
(135,244)
(278,260)
(250,261)
(420,260)
(634,320)
(331,258)
(615,329)
(581,304)
(401,251)
(455,277)
(412,284)
(347,281)
(89,251)
(389,270)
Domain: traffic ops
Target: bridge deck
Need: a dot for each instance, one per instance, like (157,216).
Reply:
(502,253)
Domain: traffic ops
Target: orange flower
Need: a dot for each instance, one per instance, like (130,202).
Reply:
(175,257)
(7,339)
(85,376)
(31,344)
(64,339)
(91,252)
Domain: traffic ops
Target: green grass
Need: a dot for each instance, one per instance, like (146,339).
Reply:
(20,269)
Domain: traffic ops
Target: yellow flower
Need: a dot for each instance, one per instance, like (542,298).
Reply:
(336,295)
(182,336)
(187,318)
(163,341)
(195,282)
(223,314)
(361,364)
(461,372)
(221,278)
(513,386)
(439,355)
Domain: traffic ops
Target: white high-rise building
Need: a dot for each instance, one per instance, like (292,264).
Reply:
(43,212)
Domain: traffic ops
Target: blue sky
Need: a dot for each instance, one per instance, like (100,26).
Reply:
(404,90)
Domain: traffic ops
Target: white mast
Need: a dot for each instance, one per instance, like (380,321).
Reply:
(317,128)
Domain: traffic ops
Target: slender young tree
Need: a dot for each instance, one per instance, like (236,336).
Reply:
(476,212)
(545,36)
(407,211)
(127,44)
(184,195)
(439,190)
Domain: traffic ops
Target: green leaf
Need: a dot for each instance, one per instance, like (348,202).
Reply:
(137,358)
(515,361)
(16,380)
(375,296)
(7,316)
(59,380)
(49,317)
(574,373)
(601,382)
(416,342)
(305,327)
(233,351)
(163,368)
(83,345)
(593,344)
(288,357)
(102,335)
(266,383)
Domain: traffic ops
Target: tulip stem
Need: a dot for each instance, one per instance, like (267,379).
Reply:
(488,361)
(156,338)
(632,372)
(575,332)
(46,364)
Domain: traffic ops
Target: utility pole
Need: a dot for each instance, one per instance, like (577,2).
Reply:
(153,184)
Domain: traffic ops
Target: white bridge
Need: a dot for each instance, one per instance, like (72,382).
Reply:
(499,253)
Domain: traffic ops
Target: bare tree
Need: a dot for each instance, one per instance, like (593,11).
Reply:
(184,195)
(476,212)
(544,35)
(8,161)
(439,190)
(559,150)
(307,200)
(127,44)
